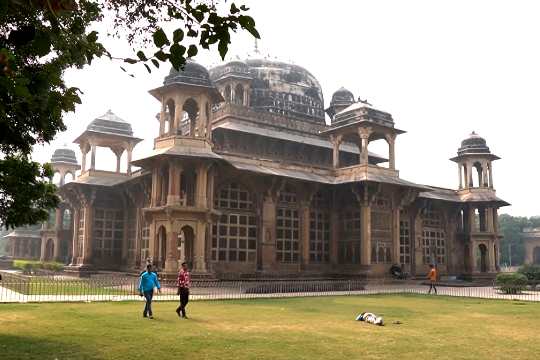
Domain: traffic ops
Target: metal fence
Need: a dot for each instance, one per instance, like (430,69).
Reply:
(60,288)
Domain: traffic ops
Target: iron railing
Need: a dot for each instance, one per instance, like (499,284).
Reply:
(61,288)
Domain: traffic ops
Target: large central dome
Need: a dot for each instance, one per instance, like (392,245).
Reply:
(282,88)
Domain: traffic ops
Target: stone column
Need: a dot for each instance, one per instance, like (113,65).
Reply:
(469,175)
(364,134)
(156,190)
(391,139)
(460,171)
(59,214)
(200,189)
(365,233)
(162,116)
(171,262)
(395,235)
(84,152)
(199,248)
(88,230)
(304,231)
(178,112)
(93,158)
(118,159)
(491,256)
(490,175)
(173,197)
(336,142)
(129,154)
(74,248)
(268,233)
(43,248)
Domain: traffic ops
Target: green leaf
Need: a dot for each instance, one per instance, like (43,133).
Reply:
(161,55)
(148,68)
(141,56)
(192,50)
(178,35)
(191,33)
(155,62)
(131,61)
(92,37)
(160,38)
(234,9)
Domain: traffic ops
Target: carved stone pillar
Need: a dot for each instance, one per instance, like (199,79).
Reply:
(391,139)
(460,172)
(336,142)
(173,197)
(199,249)
(162,116)
(268,233)
(364,134)
(395,235)
(93,158)
(75,236)
(470,183)
(202,181)
(365,233)
(88,231)
(129,155)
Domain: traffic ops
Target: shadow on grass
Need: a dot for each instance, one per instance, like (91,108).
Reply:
(26,347)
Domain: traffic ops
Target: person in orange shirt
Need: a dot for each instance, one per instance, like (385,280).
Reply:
(432,278)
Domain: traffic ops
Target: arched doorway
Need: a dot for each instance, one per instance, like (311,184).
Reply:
(536,255)
(161,248)
(482,258)
(185,248)
(49,250)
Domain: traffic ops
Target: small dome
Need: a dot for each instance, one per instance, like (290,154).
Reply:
(342,97)
(192,74)
(64,155)
(109,123)
(474,144)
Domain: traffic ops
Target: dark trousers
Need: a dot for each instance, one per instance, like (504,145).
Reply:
(184,299)
(432,286)
(148,306)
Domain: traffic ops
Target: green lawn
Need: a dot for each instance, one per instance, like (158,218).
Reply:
(295,328)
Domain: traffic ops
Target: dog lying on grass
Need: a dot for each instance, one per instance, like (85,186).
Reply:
(370,318)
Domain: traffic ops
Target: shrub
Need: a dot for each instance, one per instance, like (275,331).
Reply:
(511,283)
(29,266)
(532,272)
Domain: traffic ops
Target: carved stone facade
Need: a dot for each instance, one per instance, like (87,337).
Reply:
(246,180)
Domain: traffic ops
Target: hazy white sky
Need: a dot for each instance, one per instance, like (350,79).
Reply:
(441,68)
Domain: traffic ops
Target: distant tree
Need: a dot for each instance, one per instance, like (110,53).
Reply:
(511,227)
(40,39)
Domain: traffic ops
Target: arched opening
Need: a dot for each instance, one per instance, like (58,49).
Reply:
(49,250)
(188,181)
(169,118)
(478,180)
(185,246)
(69,177)
(161,248)
(536,255)
(239,95)
(56,178)
(482,259)
(189,118)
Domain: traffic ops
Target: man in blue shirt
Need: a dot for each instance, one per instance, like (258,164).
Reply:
(147,282)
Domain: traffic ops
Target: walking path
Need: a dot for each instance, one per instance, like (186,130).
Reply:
(10,296)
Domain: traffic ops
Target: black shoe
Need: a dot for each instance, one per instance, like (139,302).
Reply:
(178,312)
(144,315)
(151,317)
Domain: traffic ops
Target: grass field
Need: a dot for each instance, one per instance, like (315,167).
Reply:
(294,328)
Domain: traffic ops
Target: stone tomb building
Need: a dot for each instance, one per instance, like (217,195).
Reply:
(246,179)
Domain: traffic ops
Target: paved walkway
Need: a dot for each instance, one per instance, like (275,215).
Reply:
(9,296)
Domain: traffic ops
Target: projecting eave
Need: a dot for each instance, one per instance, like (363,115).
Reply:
(175,151)
(454,196)
(476,156)
(345,128)
(159,92)
(105,138)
